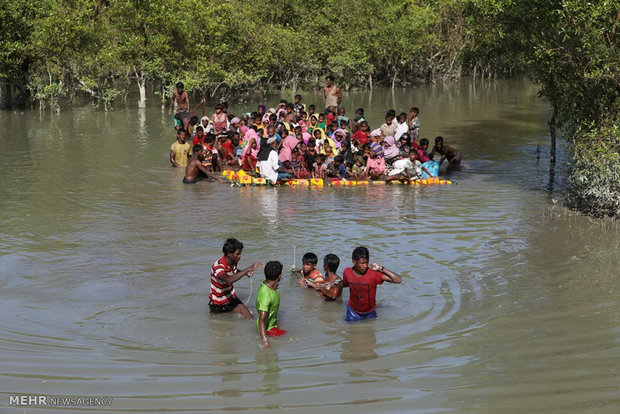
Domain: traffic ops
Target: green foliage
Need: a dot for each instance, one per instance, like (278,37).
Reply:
(595,177)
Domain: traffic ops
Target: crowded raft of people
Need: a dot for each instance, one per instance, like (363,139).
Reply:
(293,144)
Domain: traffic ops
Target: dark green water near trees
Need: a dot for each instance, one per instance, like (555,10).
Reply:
(508,303)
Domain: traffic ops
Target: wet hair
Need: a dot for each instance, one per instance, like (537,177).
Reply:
(180,85)
(331,261)
(438,139)
(416,110)
(330,77)
(310,258)
(360,252)
(231,246)
(424,141)
(339,158)
(272,270)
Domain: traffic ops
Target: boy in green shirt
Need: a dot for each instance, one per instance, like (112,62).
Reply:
(268,302)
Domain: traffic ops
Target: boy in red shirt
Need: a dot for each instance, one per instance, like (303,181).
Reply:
(362,281)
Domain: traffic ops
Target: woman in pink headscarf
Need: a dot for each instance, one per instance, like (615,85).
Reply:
(250,150)
(390,150)
(288,146)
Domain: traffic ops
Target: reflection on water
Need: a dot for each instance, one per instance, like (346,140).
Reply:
(359,342)
(506,301)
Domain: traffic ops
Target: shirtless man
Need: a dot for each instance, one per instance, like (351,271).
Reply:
(332,93)
(195,167)
(454,157)
(331,289)
(182,99)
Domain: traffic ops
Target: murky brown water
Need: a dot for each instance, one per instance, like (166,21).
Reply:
(509,304)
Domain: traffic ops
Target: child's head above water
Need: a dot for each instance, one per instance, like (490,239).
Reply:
(309,262)
(439,142)
(331,262)
(273,270)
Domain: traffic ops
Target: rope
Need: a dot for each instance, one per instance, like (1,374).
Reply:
(250,295)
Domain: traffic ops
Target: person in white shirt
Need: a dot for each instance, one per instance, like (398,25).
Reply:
(406,169)
(403,126)
(270,168)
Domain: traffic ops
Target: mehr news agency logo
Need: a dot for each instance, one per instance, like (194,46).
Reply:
(58,401)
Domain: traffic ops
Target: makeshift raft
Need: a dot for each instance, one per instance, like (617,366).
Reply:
(241,178)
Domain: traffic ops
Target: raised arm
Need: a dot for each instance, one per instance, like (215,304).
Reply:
(387,275)
(248,271)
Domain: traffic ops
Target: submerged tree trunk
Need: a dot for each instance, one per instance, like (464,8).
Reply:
(142,89)
(141,79)
(552,131)
(7,96)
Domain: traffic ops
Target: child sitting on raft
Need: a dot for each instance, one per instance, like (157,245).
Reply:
(407,168)
(375,166)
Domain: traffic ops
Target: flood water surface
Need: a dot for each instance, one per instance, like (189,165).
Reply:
(508,303)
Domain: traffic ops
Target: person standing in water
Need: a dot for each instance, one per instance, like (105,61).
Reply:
(332,93)
(362,280)
(224,273)
(181,97)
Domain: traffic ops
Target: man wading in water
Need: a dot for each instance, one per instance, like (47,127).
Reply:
(332,93)
(223,274)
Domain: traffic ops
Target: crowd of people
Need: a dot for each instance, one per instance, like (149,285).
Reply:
(292,140)
(361,278)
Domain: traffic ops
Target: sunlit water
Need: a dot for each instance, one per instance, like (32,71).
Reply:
(508,303)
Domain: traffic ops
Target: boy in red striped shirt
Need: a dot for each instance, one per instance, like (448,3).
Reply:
(224,273)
